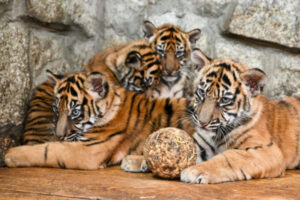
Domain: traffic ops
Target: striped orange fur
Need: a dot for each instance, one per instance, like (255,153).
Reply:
(258,137)
(100,124)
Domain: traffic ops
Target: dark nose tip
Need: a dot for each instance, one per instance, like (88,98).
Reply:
(148,82)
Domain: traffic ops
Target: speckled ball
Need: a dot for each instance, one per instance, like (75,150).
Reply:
(168,151)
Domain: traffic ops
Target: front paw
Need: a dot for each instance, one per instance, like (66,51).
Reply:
(134,163)
(15,157)
(194,174)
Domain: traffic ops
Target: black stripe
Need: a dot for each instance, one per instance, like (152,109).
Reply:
(46,153)
(153,63)
(270,144)
(243,173)
(149,54)
(40,133)
(149,59)
(255,147)
(151,109)
(38,129)
(229,164)
(71,79)
(108,138)
(61,164)
(169,111)
(166,37)
(138,114)
(171,29)
(78,85)
(212,74)
(41,119)
(236,138)
(140,46)
(203,153)
(242,142)
(81,79)
(44,100)
(226,80)
(180,125)
(44,91)
(62,89)
(33,140)
(210,146)
(226,66)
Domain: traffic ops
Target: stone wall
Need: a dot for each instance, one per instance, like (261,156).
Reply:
(36,35)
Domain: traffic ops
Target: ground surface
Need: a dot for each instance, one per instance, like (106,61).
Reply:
(113,183)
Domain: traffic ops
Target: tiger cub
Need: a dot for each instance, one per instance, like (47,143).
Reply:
(174,46)
(134,66)
(260,138)
(100,124)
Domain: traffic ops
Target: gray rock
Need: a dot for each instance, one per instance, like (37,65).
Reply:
(269,20)
(4,1)
(58,53)
(14,73)
(86,15)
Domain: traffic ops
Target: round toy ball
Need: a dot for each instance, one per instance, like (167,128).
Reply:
(168,151)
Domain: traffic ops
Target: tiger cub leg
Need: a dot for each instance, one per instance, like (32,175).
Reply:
(248,162)
(134,163)
(73,155)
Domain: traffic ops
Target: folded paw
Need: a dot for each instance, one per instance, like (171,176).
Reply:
(134,163)
(194,174)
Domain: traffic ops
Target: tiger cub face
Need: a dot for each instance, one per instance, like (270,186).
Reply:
(80,100)
(224,92)
(173,45)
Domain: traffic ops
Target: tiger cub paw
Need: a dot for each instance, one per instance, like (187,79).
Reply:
(194,174)
(134,163)
(15,157)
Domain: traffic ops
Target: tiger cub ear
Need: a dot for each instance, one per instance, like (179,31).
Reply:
(133,59)
(199,59)
(149,29)
(54,78)
(194,35)
(97,85)
(255,80)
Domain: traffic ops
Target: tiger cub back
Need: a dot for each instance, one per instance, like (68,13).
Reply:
(174,46)
(100,123)
(39,122)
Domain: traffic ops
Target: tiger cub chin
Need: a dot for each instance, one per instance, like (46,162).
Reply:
(258,137)
(134,66)
(175,47)
(99,123)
